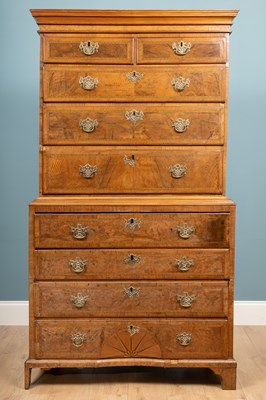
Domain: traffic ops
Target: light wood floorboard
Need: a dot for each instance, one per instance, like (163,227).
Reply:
(132,383)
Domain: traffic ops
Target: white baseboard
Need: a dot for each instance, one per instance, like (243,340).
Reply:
(14,312)
(246,312)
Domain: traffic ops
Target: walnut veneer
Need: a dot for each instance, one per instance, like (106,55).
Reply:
(131,241)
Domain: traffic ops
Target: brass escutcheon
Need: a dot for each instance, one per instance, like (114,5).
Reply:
(134,116)
(184,264)
(180,83)
(181,48)
(186,299)
(131,292)
(89,48)
(185,231)
(184,339)
(78,338)
(88,82)
(133,329)
(129,160)
(78,265)
(88,125)
(132,223)
(87,171)
(180,125)
(79,232)
(79,300)
(177,171)
(132,259)
(134,76)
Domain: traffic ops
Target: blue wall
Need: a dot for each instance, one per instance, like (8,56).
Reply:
(246,183)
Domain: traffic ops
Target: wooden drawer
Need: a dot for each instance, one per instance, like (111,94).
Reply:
(138,123)
(131,299)
(132,170)
(207,83)
(124,230)
(120,338)
(131,264)
(88,49)
(182,49)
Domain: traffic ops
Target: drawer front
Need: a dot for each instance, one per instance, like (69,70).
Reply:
(120,338)
(79,170)
(124,230)
(87,49)
(182,49)
(138,123)
(195,83)
(131,264)
(131,299)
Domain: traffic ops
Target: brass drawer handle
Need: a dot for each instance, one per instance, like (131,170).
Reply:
(78,265)
(133,329)
(132,223)
(134,76)
(89,48)
(177,171)
(132,259)
(88,125)
(131,292)
(78,338)
(181,48)
(88,82)
(184,264)
(180,83)
(129,160)
(134,116)
(87,171)
(79,232)
(185,231)
(186,299)
(180,125)
(184,339)
(79,300)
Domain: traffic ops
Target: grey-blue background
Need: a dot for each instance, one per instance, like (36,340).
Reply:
(246,170)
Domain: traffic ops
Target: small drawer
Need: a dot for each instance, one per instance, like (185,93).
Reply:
(193,83)
(131,299)
(83,170)
(139,230)
(131,338)
(182,49)
(87,49)
(135,264)
(138,123)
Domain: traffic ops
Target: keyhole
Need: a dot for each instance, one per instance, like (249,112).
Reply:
(134,113)
(133,157)
(132,220)
(131,257)
(131,327)
(134,73)
(131,289)
(181,44)
(89,43)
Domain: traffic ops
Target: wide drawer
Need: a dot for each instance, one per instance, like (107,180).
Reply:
(123,230)
(120,338)
(87,49)
(182,49)
(138,123)
(131,264)
(83,170)
(202,83)
(131,299)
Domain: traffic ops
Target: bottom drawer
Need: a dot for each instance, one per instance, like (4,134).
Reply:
(116,338)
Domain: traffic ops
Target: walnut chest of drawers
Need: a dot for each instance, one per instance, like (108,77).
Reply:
(131,256)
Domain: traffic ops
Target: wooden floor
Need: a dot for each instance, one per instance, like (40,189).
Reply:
(132,383)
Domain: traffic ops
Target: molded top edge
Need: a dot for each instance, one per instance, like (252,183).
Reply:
(46,16)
